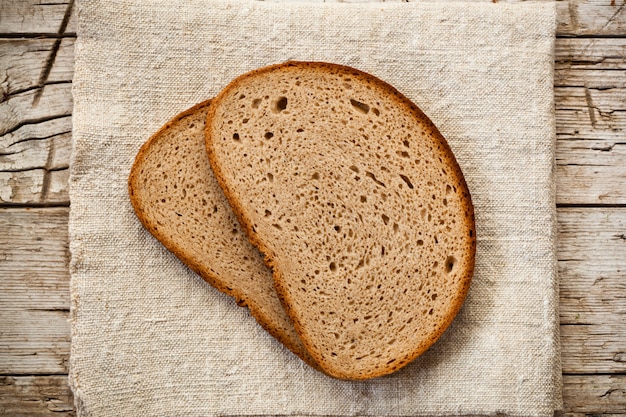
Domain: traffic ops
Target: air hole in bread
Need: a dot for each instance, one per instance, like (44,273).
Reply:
(280,104)
(315,176)
(385,219)
(406,180)
(363,199)
(300,130)
(403,154)
(277,226)
(270,176)
(268,213)
(373,177)
(236,137)
(450,261)
(420,242)
(376,111)
(396,227)
(332,266)
(430,312)
(445,202)
(361,107)
(256,103)
(354,168)
(269,135)
(337,229)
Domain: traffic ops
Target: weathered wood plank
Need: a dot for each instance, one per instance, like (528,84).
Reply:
(591,172)
(590,113)
(590,99)
(36,17)
(591,17)
(36,396)
(595,394)
(45,145)
(34,296)
(36,187)
(35,146)
(590,54)
(591,252)
(27,63)
(32,107)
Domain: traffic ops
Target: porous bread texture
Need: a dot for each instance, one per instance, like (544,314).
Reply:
(358,204)
(177,199)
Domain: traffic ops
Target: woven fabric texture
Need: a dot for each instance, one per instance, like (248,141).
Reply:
(150,338)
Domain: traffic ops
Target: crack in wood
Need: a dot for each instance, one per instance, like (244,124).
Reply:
(51,310)
(46,205)
(35,35)
(607,148)
(609,392)
(590,107)
(45,73)
(44,168)
(612,18)
(33,122)
(8,96)
(33,139)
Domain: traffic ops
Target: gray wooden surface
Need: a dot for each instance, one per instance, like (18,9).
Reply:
(36,65)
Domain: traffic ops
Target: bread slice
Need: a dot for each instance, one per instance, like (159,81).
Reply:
(358,203)
(177,199)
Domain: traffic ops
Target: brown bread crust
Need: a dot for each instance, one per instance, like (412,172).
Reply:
(237,203)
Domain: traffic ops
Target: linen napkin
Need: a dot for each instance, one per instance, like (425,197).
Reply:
(150,338)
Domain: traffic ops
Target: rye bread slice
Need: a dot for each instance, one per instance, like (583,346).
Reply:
(178,200)
(358,204)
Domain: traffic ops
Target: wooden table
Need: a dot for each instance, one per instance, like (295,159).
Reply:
(36,66)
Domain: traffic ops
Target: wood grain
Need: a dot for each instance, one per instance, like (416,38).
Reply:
(36,396)
(36,18)
(34,301)
(22,61)
(591,253)
(595,394)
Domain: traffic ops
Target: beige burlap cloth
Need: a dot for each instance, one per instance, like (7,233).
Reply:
(150,338)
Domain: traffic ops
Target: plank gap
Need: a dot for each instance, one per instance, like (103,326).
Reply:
(43,205)
(591,205)
(34,87)
(34,122)
(41,35)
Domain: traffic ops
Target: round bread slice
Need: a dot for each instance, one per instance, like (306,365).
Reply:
(358,204)
(177,199)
